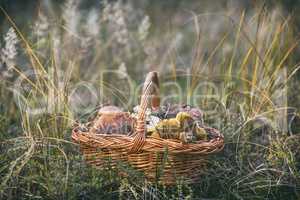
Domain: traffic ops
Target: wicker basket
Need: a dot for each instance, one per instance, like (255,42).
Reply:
(148,154)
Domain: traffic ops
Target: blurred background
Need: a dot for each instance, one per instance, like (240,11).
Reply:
(61,60)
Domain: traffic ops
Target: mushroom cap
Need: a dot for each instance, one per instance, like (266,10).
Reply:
(200,133)
(109,109)
(168,126)
(185,120)
(114,123)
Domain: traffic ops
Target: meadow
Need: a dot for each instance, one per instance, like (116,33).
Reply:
(240,66)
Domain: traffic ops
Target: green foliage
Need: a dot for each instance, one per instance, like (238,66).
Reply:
(250,63)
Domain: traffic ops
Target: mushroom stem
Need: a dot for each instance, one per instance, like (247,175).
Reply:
(155,99)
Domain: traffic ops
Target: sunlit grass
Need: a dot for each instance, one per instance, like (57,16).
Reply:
(42,162)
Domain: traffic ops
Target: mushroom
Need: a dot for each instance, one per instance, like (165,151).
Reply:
(183,127)
(112,120)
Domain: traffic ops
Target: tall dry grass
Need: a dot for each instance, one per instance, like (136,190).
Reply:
(241,64)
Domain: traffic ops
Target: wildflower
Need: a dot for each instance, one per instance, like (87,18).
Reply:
(107,11)
(71,15)
(93,23)
(115,16)
(144,27)
(41,25)
(8,52)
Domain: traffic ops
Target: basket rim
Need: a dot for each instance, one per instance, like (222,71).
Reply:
(139,142)
(124,142)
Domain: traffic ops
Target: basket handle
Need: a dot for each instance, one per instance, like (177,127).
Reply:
(150,91)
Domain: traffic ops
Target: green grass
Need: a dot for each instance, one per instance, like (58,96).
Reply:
(261,159)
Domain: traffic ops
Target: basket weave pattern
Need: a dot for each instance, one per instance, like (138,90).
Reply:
(147,154)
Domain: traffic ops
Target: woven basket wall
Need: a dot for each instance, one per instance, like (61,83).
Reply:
(171,158)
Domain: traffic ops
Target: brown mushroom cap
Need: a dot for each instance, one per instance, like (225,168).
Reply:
(114,123)
(109,109)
